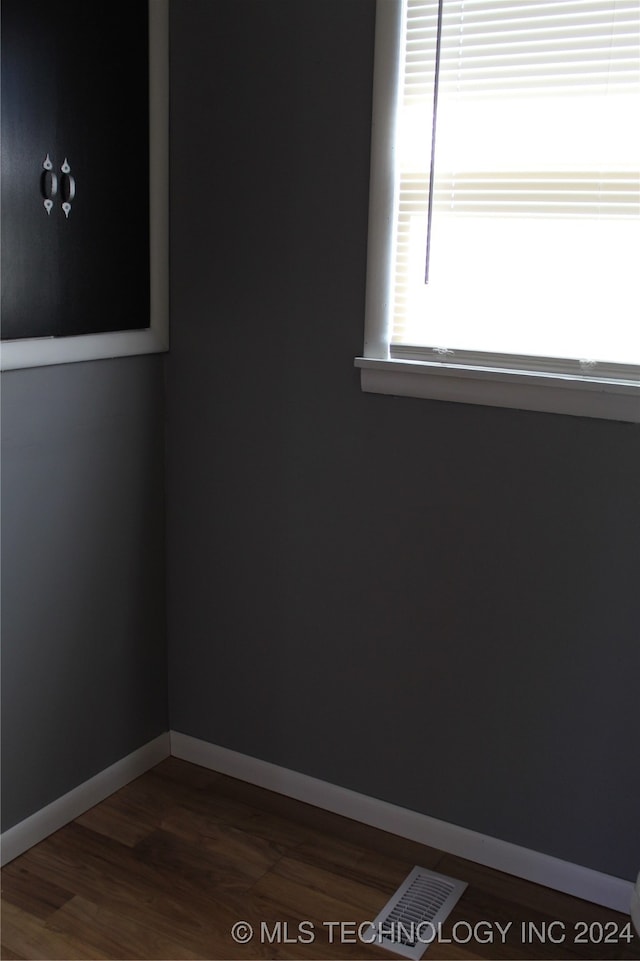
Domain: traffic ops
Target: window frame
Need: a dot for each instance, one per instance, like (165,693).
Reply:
(471,380)
(45,351)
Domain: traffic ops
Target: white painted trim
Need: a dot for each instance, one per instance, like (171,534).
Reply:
(44,351)
(48,819)
(635,906)
(381,179)
(159,171)
(543,390)
(581,882)
(519,389)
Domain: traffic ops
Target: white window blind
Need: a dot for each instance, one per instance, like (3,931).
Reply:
(535,222)
(497,46)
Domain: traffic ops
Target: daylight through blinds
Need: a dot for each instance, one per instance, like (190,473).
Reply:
(536,151)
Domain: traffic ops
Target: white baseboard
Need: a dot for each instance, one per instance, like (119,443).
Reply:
(48,819)
(533,866)
(574,879)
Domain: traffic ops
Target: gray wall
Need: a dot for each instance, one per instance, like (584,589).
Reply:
(434,604)
(83,613)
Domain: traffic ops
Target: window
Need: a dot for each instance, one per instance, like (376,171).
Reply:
(504,234)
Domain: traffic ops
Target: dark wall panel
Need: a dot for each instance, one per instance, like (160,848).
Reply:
(74,89)
(83,630)
(434,604)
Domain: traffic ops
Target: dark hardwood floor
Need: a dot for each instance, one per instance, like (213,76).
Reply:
(164,869)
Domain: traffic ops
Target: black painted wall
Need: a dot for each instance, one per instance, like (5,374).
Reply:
(434,604)
(83,572)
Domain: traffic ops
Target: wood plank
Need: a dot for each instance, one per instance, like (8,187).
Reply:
(122,820)
(235,849)
(166,866)
(208,863)
(325,823)
(526,894)
(119,937)
(26,891)
(317,894)
(30,938)
(357,862)
(217,804)
(494,927)
(112,877)
(7,954)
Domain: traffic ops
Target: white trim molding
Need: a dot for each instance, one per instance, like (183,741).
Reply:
(589,389)
(48,819)
(574,879)
(635,906)
(494,387)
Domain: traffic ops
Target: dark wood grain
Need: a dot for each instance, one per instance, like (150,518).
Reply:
(165,867)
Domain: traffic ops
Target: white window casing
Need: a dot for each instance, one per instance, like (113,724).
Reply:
(533,300)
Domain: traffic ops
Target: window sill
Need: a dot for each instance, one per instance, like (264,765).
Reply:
(45,351)
(580,396)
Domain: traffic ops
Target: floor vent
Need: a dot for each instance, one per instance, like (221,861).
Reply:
(409,922)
